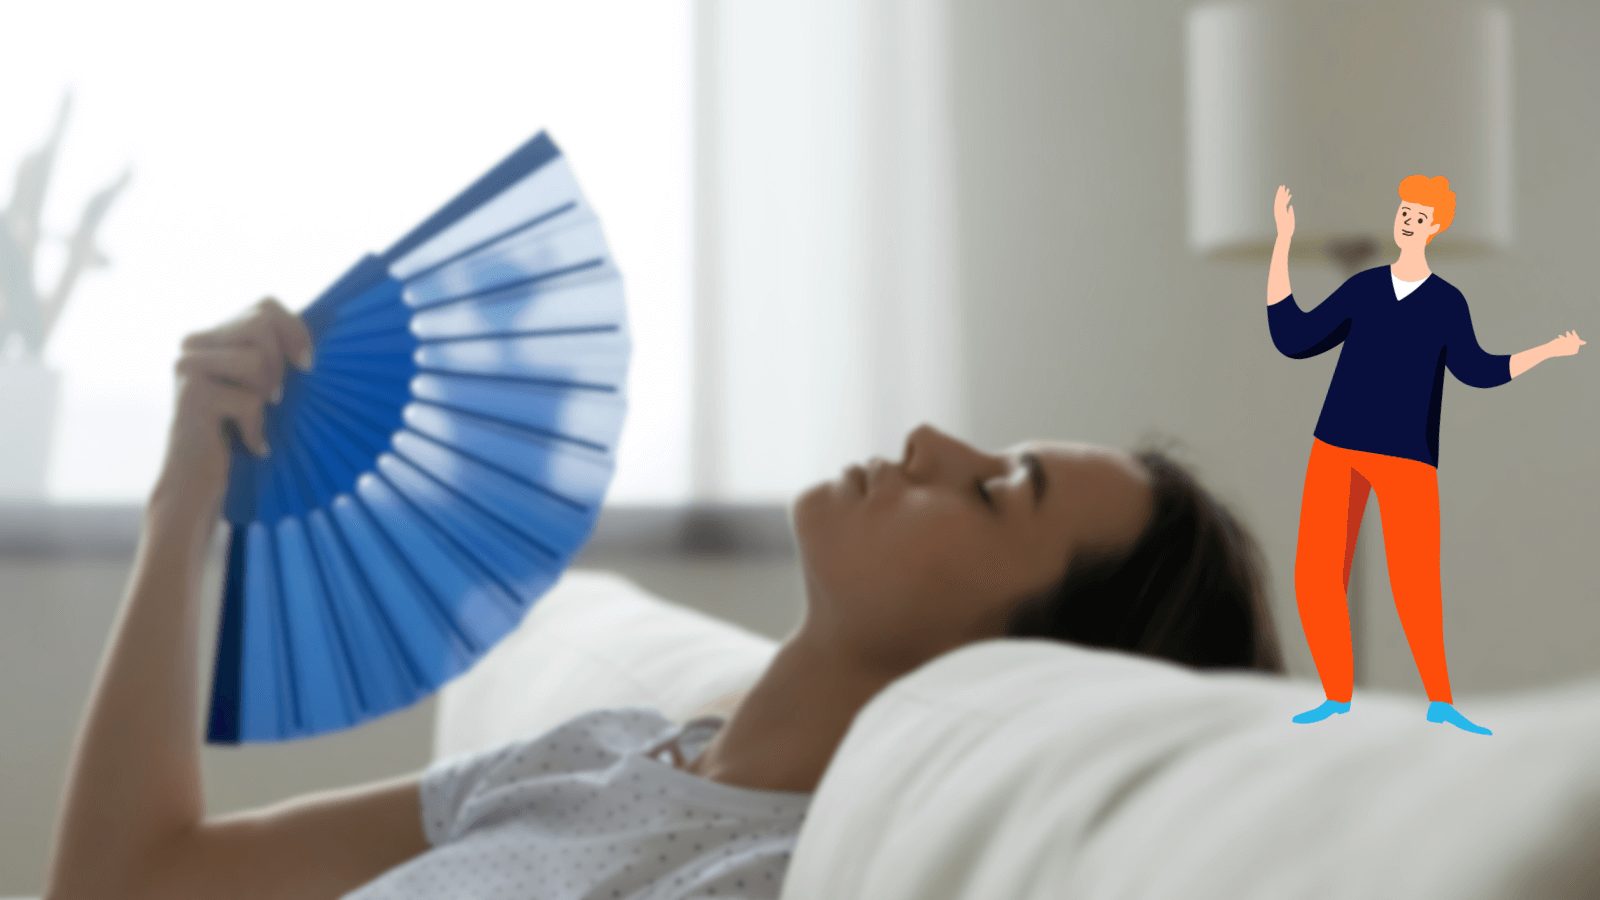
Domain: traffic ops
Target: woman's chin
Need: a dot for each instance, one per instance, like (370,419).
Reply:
(805,507)
(816,509)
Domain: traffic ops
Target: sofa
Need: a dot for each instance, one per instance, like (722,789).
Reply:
(1028,768)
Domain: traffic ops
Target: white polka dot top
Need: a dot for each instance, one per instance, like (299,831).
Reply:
(584,811)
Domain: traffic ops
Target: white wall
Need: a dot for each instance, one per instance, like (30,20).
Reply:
(270,151)
(1088,318)
(826,295)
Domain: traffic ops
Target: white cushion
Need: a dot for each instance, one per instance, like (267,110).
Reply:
(595,640)
(1030,769)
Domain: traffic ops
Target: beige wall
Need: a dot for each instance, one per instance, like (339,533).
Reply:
(1088,318)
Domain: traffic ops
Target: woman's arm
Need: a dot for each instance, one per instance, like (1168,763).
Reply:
(322,845)
(134,782)
(132,818)
(723,706)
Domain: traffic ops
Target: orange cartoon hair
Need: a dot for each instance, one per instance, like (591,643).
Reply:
(1434,192)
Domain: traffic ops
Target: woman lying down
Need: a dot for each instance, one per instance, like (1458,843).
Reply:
(902,562)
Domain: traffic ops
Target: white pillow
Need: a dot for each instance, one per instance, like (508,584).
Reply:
(595,640)
(1019,769)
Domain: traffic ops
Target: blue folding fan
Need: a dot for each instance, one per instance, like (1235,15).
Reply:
(438,467)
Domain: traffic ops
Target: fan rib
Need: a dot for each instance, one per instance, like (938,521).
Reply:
(293,458)
(319,478)
(359,379)
(346,660)
(536,332)
(520,379)
(536,220)
(535,543)
(511,285)
(281,621)
(374,442)
(529,158)
(550,492)
(278,478)
(318,618)
(355,397)
(331,339)
(332,455)
(223,725)
(434,606)
(357,464)
(554,435)
(345,314)
(462,553)
(366,403)
(391,342)
(409,666)
(339,319)
(382,297)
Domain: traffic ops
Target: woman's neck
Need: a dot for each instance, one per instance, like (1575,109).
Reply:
(784,733)
(1412,265)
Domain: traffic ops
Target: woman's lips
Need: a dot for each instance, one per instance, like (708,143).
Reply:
(1405,232)
(858,477)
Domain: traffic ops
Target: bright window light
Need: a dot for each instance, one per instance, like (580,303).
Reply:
(273,144)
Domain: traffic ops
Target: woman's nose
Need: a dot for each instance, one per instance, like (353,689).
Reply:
(929,449)
(925,444)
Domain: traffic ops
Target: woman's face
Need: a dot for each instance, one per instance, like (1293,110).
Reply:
(906,561)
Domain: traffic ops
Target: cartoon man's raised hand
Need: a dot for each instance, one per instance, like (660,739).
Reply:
(1566,344)
(1284,213)
(1278,274)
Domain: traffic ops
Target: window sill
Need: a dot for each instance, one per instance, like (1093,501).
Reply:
(56,530)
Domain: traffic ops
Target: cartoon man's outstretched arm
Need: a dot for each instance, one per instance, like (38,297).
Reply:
(1379,430)
(1561,345)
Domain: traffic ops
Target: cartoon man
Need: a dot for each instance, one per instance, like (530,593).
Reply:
(1402,326)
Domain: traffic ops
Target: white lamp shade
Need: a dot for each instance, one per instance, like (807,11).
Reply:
(1340,100)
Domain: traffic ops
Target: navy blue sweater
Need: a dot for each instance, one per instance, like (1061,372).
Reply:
(1386,390)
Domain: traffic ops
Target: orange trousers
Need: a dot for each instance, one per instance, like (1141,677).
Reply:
(1337,484)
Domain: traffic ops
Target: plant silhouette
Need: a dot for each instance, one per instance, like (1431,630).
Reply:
(24,307)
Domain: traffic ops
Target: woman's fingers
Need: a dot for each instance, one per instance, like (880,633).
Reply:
(244,409)
(251,340)
(264,329)
(208,396)
(231,371)
(240,367)
(267,325)
(293,336)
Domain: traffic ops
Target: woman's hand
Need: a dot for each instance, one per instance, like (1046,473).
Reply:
(228,374)
(1283,213)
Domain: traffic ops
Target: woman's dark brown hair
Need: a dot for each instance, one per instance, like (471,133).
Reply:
(1191,587)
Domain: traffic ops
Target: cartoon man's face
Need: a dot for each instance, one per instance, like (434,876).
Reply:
(1413,224)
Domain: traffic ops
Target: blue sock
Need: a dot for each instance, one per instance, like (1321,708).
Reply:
(1439,711)
(1328,708)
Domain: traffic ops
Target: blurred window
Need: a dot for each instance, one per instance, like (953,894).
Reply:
(271,145)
